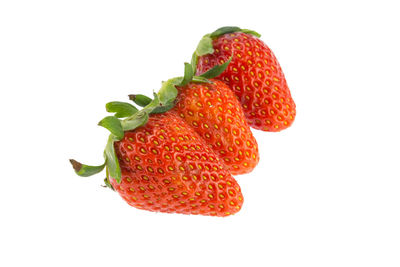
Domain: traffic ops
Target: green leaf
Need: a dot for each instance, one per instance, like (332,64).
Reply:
(223,30)
(108,184)
(122,109)
(230,29)
(85,170)
(162,109)
(135,121)
(189,73)
(216,70)
(193,62)
(140,100)
(205,46)
(113,124)
(256,34)
(112,163)
(168,91)
(199,79)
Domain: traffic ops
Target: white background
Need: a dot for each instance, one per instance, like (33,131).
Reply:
(326,191)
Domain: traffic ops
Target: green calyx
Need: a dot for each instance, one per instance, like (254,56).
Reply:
(205,45)
(127,117)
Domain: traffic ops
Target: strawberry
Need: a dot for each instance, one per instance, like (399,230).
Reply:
(167,167)
(157,162)
(213,111)
(216,115)
(254,74)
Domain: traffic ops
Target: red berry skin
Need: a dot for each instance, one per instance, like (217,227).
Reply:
(168,167)
(214,112)
(256,77)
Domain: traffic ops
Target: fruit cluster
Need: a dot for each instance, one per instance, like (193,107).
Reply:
(179,152)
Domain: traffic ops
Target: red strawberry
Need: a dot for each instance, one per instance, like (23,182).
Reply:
(167,167)
(215,114)
(254,74)
(159,163)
